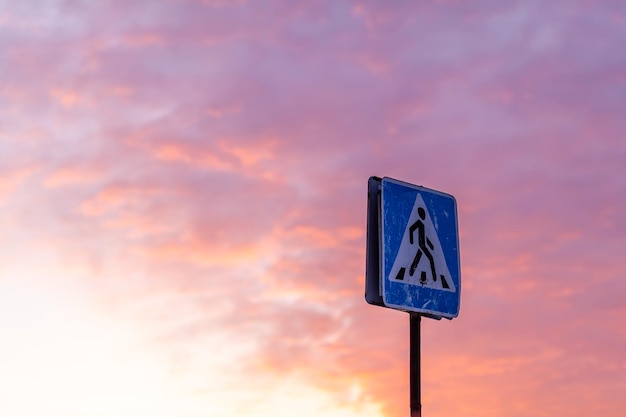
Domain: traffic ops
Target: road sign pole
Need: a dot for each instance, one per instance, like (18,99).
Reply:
(415,371)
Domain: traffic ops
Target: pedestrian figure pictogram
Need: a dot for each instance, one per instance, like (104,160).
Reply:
(423,243)
(420,259)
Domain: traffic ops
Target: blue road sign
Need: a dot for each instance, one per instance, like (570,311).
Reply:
(418,249)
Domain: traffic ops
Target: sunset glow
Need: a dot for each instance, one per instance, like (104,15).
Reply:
(183,188)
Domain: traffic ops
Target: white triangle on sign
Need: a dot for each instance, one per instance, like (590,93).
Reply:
(420,259)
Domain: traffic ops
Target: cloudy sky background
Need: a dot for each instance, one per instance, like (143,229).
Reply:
(183,192)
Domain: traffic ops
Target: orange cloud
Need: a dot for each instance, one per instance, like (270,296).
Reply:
(67,98)
(144,39)
(12,179)
(66,176)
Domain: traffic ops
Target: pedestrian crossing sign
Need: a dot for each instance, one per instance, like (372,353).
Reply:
(418,264)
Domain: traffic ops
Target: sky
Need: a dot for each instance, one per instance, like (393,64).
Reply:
(183,191)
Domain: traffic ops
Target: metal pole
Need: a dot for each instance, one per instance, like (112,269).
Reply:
(414,357)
